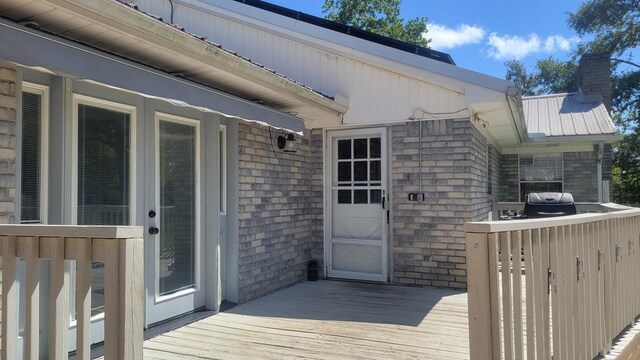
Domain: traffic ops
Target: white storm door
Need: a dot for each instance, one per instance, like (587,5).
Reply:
(174,243)
(356,245)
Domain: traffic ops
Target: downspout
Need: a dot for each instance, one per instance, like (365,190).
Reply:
(600,156)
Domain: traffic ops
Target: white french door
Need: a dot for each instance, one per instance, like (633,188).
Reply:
(174,270)
(356,241)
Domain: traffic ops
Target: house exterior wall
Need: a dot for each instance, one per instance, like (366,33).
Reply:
(323,69)
(277,206)
(495,172)
(428,237)
(8,116)
(509,179)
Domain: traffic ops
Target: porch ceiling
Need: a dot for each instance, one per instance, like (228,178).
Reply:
(123,31)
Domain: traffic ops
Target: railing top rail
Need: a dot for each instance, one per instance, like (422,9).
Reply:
(81,231)
(514,225)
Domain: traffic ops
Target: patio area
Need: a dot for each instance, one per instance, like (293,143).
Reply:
(328,320)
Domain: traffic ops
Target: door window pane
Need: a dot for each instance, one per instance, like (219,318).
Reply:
(344,196)
(360,197)
(177,187)
(103,178)
(374,148)
(360,171)
(344,171)
(30,177)
(344,149)
(360,148)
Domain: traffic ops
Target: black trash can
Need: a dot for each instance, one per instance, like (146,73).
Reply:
(312,270)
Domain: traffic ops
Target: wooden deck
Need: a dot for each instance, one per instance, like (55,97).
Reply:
(328,320)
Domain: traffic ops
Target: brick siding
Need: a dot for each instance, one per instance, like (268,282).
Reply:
(428,237)
(8,114)
(278,210)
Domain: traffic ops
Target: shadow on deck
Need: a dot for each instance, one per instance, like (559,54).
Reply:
(328,320)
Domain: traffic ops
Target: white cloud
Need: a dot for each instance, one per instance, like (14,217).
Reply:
(443,37)
(504,47)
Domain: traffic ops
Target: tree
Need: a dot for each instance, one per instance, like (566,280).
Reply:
(614,26)
(551,76)
(378,16)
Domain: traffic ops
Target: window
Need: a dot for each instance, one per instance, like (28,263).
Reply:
(359,170)
(104,172)
(540,173)
(33,152)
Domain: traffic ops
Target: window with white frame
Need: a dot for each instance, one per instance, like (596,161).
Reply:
(33,194)
(540,173)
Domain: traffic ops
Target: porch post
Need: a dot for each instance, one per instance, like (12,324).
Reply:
(479,297)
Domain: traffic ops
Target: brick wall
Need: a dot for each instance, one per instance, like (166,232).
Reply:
(277,208)
(428,237)
(316,199)
(509,179)
(495,172)
(8,113)
(594,76)
(478,191)
(581,176)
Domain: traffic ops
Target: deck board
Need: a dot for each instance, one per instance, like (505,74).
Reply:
(328,320)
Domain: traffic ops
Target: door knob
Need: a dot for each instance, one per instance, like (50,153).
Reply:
(154,230)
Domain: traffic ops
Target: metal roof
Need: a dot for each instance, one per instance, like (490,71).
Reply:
(570,114)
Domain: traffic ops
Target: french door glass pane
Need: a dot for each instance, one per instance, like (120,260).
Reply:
(177,186)
(103,178)
(30,194)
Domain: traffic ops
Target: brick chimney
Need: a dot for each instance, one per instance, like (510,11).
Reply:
(594,77)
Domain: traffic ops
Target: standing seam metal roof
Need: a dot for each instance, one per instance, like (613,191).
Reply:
(566,115)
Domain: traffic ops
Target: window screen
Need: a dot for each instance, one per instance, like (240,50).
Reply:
(30,177)
(540,173)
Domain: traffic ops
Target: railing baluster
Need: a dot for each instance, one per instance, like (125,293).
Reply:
(507,294)
(494,294)
(29,248)
(531,295)
(516,238)
(79,249)
(9,298)
(53,248)
(554,266)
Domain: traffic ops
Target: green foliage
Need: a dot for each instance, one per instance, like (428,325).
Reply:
(378,16)
(551,76)
(615,25)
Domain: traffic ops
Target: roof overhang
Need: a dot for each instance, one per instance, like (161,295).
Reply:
(125,32)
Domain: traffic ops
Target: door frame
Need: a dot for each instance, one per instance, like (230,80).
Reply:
(327,163)
(195,297)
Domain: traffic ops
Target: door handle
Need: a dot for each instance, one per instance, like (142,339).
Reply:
(154,230)
(383,201)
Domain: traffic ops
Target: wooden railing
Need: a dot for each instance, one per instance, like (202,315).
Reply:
(562,287)
(120,248)
(516,208)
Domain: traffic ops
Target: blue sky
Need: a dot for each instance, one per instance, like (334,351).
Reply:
(482,35)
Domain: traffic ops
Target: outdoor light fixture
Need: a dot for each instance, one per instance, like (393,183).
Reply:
(287,143)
